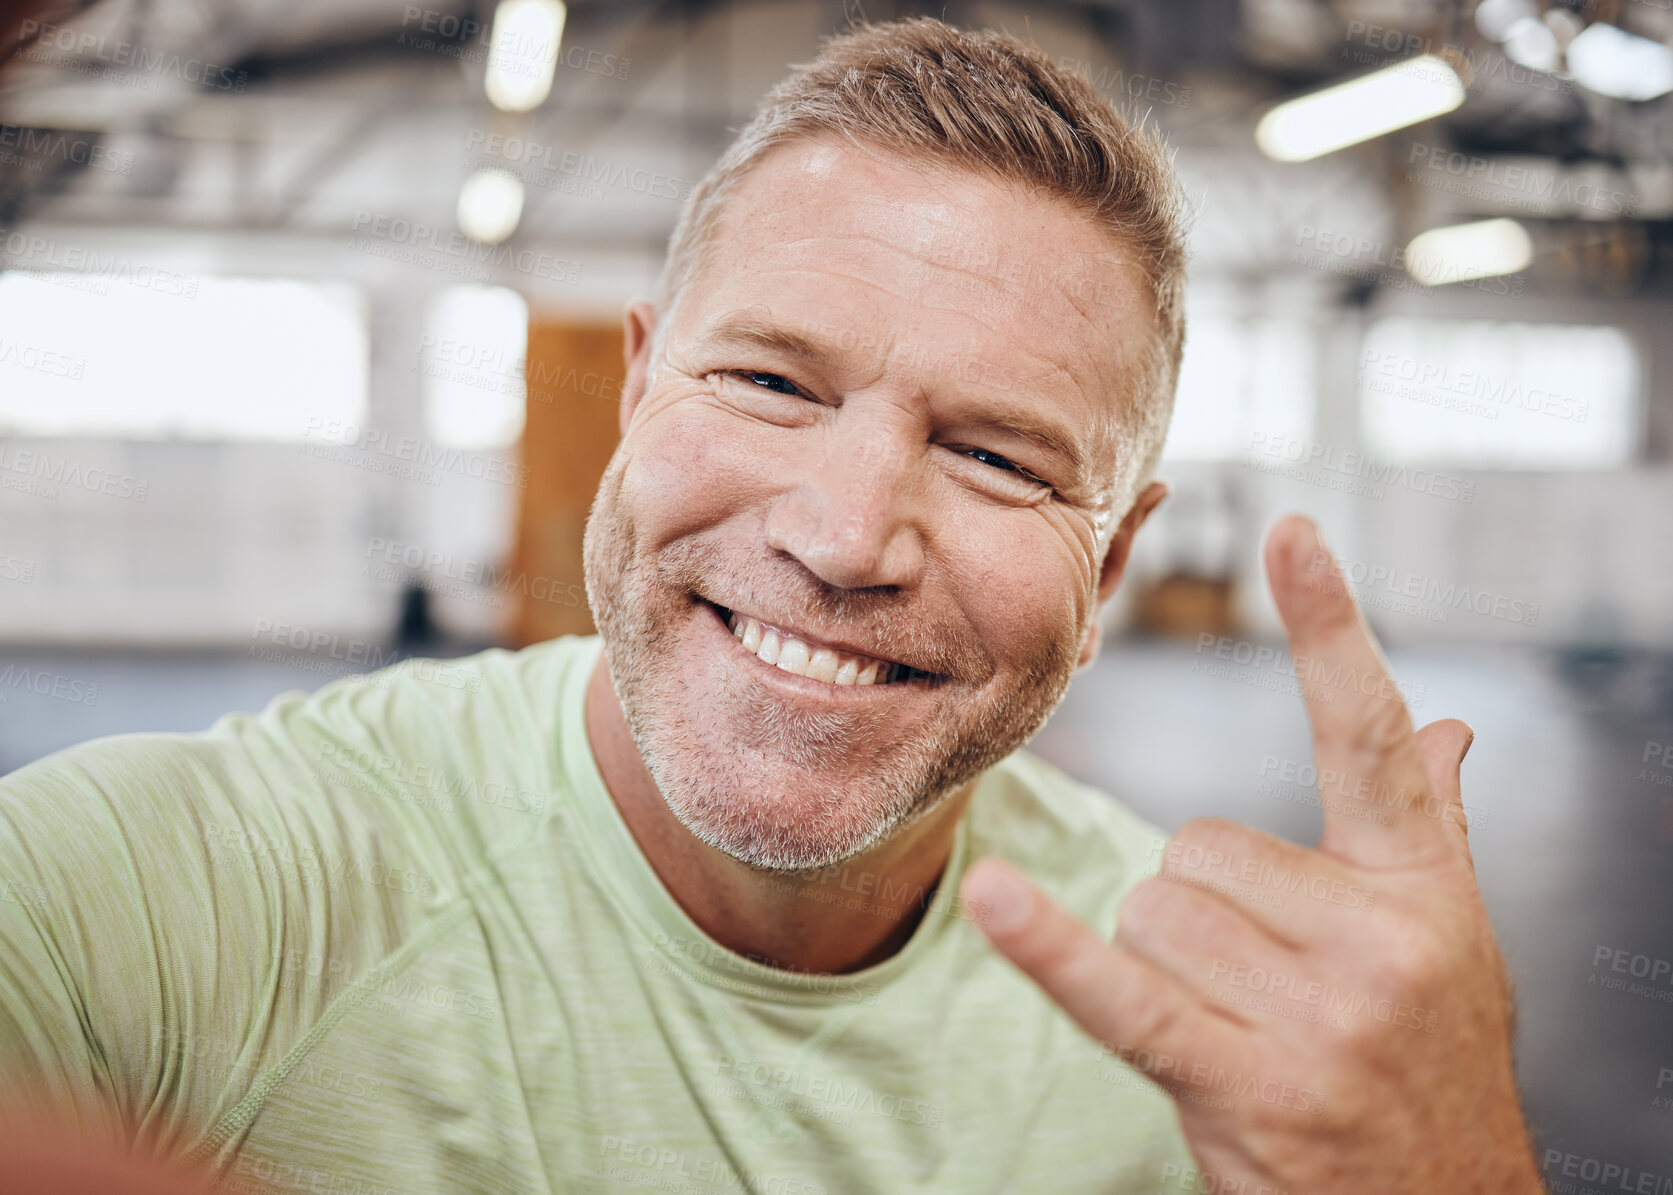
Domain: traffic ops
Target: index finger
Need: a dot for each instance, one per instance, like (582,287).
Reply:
(1372,780)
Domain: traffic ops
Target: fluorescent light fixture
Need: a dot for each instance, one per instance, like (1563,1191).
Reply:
(1496,17)
(473,359)
(490,204)
(1530,43)
(523,53)
(1360,109)
(1616,63)
(1460,252)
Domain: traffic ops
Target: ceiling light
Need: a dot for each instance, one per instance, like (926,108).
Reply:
(490,204)
(1613,62)
(1495,17)
(523,53)
(1360,109)
(1531,43)
(1460,252)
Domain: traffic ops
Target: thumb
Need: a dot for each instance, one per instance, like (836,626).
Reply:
(1119,997)
(1443,746)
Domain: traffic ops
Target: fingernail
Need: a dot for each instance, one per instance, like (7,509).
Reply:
(1001,902)
(1468,743)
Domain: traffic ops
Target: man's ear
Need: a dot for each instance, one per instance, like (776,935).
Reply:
(1115,564)
(638,331)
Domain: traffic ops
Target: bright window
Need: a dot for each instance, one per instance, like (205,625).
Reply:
(1240,377)
(147,354)
(472,357)
(1474,393)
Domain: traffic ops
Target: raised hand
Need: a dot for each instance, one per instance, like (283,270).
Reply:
(1353,1036)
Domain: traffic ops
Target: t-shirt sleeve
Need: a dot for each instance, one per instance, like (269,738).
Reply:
(180,912)
(124,931)
(176,912)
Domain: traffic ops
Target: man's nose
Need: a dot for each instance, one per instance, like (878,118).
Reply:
(856,520)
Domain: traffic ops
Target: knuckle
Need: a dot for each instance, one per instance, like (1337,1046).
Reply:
(1383,733)
(1153,1021)
(1414,957)
(1208,838)
(1148,901)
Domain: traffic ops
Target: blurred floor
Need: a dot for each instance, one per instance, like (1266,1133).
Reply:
(1571,806)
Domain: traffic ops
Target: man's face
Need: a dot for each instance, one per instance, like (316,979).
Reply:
(881,438)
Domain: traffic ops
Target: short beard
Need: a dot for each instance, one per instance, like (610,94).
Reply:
(715,787)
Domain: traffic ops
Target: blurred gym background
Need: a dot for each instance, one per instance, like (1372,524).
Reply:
(310,359)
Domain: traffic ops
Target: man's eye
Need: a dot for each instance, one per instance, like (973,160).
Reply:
(777,383)
(1001,462)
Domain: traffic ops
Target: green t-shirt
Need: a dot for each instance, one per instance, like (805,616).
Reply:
(395,937)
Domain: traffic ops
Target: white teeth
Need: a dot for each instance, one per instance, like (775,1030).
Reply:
(823,665)
(793,655)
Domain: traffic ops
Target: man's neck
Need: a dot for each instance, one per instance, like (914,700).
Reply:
(836,920)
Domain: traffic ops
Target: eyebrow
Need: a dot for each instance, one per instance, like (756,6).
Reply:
(747,331)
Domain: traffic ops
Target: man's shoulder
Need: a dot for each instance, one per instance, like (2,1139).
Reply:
(1082,845)
(424,736)
(231,884)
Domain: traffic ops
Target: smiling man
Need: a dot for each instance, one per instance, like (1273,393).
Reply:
(695,904)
